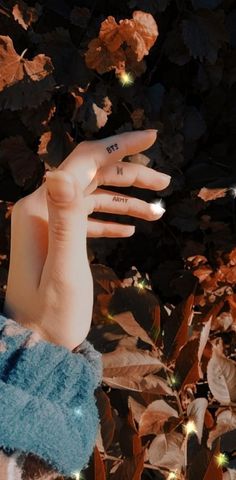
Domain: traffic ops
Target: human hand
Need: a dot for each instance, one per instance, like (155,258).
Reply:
(50,286)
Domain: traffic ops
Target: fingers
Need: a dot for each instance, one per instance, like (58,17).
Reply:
(112,202)
(100,228)
(110,149)
(125,174)
(89,156)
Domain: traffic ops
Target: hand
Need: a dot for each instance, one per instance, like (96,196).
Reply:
(50,286)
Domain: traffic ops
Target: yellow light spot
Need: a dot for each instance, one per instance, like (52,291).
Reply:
(126,79)
(141,285)
(173,380)
(190,427)
(172,476)
(221,459)
(109,316)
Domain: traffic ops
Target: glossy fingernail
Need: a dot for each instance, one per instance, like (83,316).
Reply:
(151,130)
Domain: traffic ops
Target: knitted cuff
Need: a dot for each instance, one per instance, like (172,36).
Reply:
(47,402)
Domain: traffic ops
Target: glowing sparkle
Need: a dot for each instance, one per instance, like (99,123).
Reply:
(78,411)
(173,380)
(126,79)
(141,285)
(76,476)
(190,427)
(172,476)
(109,316)
(233,191)
(157,207)
(221,459)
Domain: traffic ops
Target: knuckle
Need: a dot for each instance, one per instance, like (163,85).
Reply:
(61,231)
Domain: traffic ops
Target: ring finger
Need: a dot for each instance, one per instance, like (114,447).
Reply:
(113,202)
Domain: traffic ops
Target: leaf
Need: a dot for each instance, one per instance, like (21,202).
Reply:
(204,465)
(37,119)
(69,65)
(194,124)
(127,321)
(165,451)
(106,418)
(196,411)
(140,33)
(26,15)
(99,58)
(154,417)
(110,34)
(123,362)
(96,468)
(176,327)
(23,82)
(130,468)
(206,3)
(55,144)
(230,474)
(204,34)
(221,375)
(225,422)
(24,164)
(208,194)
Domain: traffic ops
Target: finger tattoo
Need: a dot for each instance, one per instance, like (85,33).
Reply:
(120,199)
(119,170)
(112,148)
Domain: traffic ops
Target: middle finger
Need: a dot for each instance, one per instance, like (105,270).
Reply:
(126,174)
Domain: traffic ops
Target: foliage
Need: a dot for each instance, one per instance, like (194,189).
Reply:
(168,333)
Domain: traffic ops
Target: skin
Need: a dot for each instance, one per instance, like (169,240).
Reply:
(50,286)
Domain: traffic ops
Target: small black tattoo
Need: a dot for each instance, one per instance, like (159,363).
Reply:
(119,170)
(112,148)
(120,199)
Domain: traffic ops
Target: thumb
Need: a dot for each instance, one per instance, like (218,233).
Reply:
(67,228)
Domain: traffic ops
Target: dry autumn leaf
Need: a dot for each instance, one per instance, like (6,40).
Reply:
(225,422)
(154,417)
(23,82)
(165,451)
(208,194)
(123,362)
(221,375)
(24,14)
(196,412)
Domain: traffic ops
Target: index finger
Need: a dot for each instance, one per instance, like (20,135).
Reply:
(89,156)
(110,149)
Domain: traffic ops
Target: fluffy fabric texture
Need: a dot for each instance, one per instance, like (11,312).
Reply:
(47,402)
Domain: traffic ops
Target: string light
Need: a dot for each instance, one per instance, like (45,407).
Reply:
(141,285)
(221,459)
(126,79)
(190,427)
(110,317)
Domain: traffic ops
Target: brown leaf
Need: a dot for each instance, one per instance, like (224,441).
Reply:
(225,422)
(154,417)
(136,408)
(109,34)
(123,362)
(149,383)
(140,33)
(208,194)
(230,474)
(176,327)
(23,82)
(130,468)
(24,14)
(106,418)
(127,321)
(196,412)
(165,451)
(99,58)
(55,144)
(204,465)
(24,164)
(96,468)
(221,375)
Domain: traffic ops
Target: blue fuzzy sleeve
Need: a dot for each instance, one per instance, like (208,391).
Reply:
(47,402)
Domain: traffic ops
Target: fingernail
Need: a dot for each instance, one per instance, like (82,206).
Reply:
(151,130)
(157,209)
(60,187)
